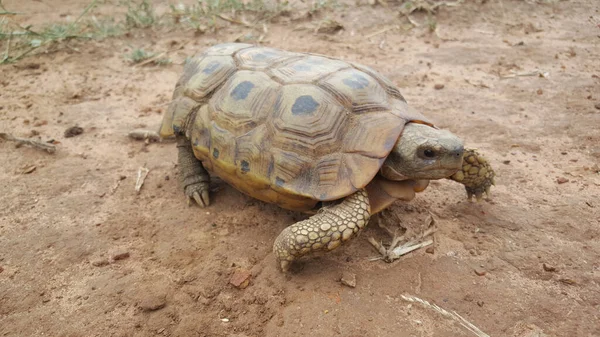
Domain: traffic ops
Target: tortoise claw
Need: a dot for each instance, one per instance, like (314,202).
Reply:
(202,198)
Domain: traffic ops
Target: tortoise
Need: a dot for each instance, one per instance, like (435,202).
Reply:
(308,132)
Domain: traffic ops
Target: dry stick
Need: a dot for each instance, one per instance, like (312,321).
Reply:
(381,31)
(141,177)
(154,58)
(22,141)
(452,315)
(532,73)
(246,24)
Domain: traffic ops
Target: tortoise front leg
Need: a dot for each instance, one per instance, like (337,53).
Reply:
(477,175)
(194,177)
(325,230)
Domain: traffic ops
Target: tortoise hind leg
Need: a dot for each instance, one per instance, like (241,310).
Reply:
(194,177)
(325,230)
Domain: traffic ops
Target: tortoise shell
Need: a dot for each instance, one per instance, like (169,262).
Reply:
(287,128)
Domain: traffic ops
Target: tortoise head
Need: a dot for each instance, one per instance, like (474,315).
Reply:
(423,152)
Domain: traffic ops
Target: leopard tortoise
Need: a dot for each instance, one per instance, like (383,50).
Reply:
(304,131)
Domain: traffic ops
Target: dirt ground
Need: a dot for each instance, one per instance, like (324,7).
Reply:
(83,254)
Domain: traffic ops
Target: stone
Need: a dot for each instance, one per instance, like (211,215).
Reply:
(348,279)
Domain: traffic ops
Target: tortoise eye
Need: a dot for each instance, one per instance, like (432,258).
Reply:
(429,153)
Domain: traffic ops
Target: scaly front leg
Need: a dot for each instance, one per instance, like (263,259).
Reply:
(476,174)
(325,230)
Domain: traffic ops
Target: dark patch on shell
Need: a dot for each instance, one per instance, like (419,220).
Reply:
(356,81)
(301,67)
(242,90)
(245,166)
(216,153)
(304,105)
(279,182)
(211,67)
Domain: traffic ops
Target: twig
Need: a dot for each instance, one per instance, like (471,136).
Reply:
(141,177)
(34,143)
(381,31)
(539,73)
(152,59)
(452,315)
(156,57)
(246,24)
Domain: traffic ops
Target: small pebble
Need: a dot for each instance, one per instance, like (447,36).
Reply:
(548,268)
(438,86)
(73,131)
(240,278)
(480,303)
(479,271)
(1,269)
(348,279)
(506,162)
(597,106)
(540,91)
(120,256)
(100,263)
(153,302)
(429,250)
(562,180)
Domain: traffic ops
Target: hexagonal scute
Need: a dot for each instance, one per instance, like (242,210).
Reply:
(306,69)
(291,172)
(222,147)
(175,118)
(200,133)
(388,85)
(224,49)
(253,158)
(373,135)
(244,101)
(211,72)
(260,58)
(308,120)
(356,90)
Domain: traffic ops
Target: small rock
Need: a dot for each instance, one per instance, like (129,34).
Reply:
(429,250)
(120,256)
(240,278)
(480,303)
(100,263)
(153,302)
(540,92)
(562,180)
(506,162)
(438,86)
(40,123)
(597,106)
(348,279)
(1,269)
(73,131)
(548,268)
(479,271)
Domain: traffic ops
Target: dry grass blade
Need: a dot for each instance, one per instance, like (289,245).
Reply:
(452,315)
(34,143)
(141,177)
